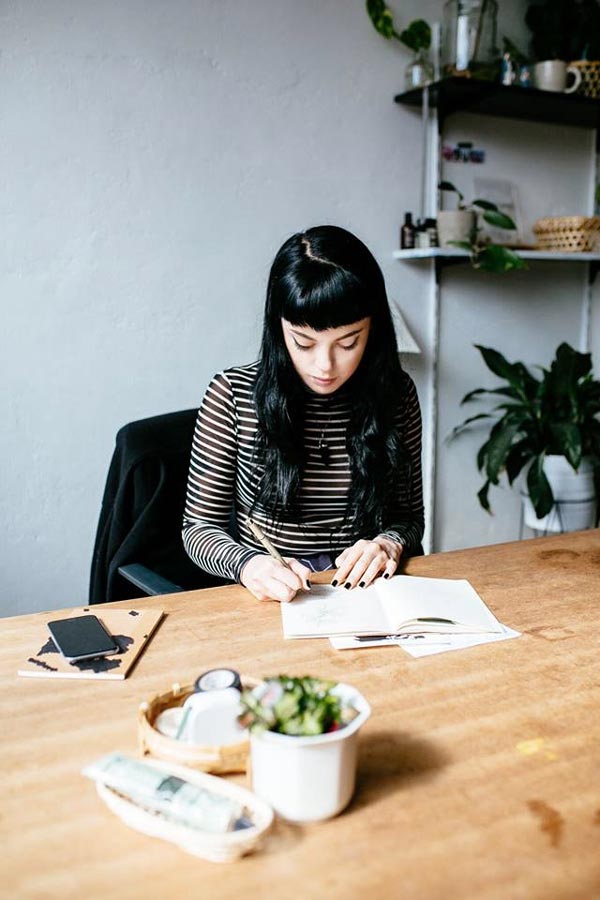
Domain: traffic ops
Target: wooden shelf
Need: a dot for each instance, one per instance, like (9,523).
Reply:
(456,253)
(489,98)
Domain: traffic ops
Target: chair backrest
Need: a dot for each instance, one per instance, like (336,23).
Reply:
(142,508)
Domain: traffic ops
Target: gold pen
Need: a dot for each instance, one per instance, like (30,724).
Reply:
(273,551)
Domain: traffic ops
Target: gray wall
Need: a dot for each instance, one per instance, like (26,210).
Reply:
(154,156)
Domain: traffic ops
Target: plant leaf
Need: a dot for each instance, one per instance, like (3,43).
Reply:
(381,18)
(494,258)
(539,489)
(499,219)
(485,204)
(482,496)
(519,456)
(567,442)
(498,448)
(417,36)
(458,429)
(504,391)
(464,245)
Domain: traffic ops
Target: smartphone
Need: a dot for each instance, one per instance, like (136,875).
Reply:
(82,637)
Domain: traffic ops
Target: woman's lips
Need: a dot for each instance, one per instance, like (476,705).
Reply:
(323,381)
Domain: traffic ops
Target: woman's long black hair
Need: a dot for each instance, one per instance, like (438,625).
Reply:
(324,278)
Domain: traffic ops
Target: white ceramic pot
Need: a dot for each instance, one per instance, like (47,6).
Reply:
(454,225)
(575,503)
(306,779)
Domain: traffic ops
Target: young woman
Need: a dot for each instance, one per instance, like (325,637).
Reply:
(319,442)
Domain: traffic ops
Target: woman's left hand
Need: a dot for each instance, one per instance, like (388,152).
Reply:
(362,563)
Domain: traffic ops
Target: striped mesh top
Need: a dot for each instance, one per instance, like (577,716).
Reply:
(223,472)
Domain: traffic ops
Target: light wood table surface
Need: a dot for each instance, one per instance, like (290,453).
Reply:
(478,774)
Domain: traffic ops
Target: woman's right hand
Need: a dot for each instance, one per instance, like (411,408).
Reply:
(267,579)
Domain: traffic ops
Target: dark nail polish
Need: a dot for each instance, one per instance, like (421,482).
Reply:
(387,575)
(362,584)
(347,585)
(334,583)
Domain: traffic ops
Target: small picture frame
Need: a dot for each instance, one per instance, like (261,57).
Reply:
(505,195)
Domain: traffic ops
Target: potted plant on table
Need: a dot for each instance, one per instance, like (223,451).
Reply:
(459,228)
(303,742)
(548,427)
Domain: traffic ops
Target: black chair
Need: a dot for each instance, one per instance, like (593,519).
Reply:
(138,549)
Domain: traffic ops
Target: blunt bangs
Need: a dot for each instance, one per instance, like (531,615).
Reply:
(321,296)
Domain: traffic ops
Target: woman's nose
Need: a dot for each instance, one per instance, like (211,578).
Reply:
(324,359)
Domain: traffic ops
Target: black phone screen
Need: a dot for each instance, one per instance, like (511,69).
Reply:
(82,637)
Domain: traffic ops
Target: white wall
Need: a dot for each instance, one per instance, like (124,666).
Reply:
(155,154)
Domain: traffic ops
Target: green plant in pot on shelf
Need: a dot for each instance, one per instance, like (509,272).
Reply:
(460,228)
(417,37)
(548,428)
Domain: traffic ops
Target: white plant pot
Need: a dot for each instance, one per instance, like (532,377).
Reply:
(575,503)
(306,779)
(454,225)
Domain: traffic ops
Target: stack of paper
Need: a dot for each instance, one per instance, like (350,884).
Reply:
(421,615)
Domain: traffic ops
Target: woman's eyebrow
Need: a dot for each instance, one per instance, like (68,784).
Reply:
(342,337)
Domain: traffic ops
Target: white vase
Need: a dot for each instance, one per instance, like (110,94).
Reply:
(574,498)
(455,225)
(306,779)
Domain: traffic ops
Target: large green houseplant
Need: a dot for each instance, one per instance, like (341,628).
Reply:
(556,414)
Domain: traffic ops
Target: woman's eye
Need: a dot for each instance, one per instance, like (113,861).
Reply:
(301,346)
(349,346)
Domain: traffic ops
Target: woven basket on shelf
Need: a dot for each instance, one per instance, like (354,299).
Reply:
(568,233)
(215,759)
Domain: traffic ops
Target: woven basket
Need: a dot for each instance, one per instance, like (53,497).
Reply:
(216,759)
(568,233)
(214,847)
(590,77)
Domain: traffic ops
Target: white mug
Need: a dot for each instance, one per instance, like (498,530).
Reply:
(551,75)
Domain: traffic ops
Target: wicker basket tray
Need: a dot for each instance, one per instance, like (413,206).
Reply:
(575,234)
(216,759)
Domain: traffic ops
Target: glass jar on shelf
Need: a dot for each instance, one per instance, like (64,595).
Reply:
(419,71)
(469,39)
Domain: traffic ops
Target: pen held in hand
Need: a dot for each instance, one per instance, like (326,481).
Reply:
(271,550)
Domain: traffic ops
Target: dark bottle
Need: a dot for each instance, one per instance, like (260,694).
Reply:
(407,233)
(431,226)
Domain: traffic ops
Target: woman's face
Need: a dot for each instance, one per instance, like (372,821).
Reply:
(325,360)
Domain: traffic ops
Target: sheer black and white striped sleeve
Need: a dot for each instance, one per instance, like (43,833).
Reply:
(408,519)
(211,486)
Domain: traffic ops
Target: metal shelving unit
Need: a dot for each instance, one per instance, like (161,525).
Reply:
(435,103)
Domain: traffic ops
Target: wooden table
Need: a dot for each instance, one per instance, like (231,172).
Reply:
(479,771)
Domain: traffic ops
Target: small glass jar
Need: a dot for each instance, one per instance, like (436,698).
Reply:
(419,72)
(469,44)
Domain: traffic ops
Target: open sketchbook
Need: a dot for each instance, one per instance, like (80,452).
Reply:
(403,605)
(131,629)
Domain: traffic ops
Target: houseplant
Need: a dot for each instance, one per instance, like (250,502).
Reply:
(459,228)
(303,742)
(538,420)
(417,37)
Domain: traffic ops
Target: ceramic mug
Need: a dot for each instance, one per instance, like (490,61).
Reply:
(551,75)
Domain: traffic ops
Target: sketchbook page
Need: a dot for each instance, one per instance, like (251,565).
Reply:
(409,601)
(459,642)
(131,629)
(325,611)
